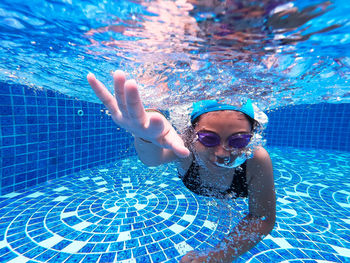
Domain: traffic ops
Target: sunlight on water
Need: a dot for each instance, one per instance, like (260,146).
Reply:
(274,52)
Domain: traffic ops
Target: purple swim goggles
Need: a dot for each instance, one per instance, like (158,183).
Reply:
(236,141)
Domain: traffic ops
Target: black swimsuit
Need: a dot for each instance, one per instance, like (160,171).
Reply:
(238,187)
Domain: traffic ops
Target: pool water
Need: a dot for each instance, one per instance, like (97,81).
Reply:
(126,212)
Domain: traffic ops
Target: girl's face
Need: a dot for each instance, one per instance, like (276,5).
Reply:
(224,124)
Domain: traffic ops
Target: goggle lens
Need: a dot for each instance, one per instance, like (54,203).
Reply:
(237,141)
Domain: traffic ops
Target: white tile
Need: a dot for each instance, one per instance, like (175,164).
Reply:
(10,195)
(19,259)
(345,252)
(97,178)
(101,190)
(139,206)
(183,248)
(124,236)
(36,194)
(188,218)
(165,215)
(68,214)
(151,196)
(80,226)
(113,209)
(130,195)
(176,228)
(322,185)
(345,205)
(83,178)
(50,242)
(283,201)
(209,224)
(127,185)
(103,170)
(3,244)
(163,185)
(289,211)
(297,194)
(74,247)
(101,183)
(281,242)
(149,182)
(180,197)
(346,221)
(60,189)
(60,198)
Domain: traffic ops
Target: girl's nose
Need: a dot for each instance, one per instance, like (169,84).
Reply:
(221,152)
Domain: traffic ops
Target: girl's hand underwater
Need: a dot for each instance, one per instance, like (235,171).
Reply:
(128,112)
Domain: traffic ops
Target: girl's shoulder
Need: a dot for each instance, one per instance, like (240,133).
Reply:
(183,164)
(260,155)
(260,164)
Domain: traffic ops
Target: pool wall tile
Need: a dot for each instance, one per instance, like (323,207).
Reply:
(319,126)
(45,135)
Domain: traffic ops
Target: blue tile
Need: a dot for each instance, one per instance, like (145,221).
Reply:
(152,248)
(312,254)
(136,233)
(298,253)
(116,246)
(145,240)
(166,244)
(46,255)
(158,257)
(124,255)
(7,257)
(91,258)
(107,257)
(4,250)
(131,243)
(75,258)
(193,242)
(100,247)
(329,257)
(144,259)
(111,238)
(61,245)
(87,248)
(139,251)
(60,257)
(177,239)
(171,252)
(158,236)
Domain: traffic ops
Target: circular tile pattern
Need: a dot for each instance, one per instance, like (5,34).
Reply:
(122,212)
(126,212)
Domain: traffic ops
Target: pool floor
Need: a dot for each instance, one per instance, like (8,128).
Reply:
(126,212)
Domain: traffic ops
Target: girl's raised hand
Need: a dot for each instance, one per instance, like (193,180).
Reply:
(127,111)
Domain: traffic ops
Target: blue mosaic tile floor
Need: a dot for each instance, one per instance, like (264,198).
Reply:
(125,212)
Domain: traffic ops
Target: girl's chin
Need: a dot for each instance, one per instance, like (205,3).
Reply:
(215,167)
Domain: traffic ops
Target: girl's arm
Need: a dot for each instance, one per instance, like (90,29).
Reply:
(262,210)
(257,224)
